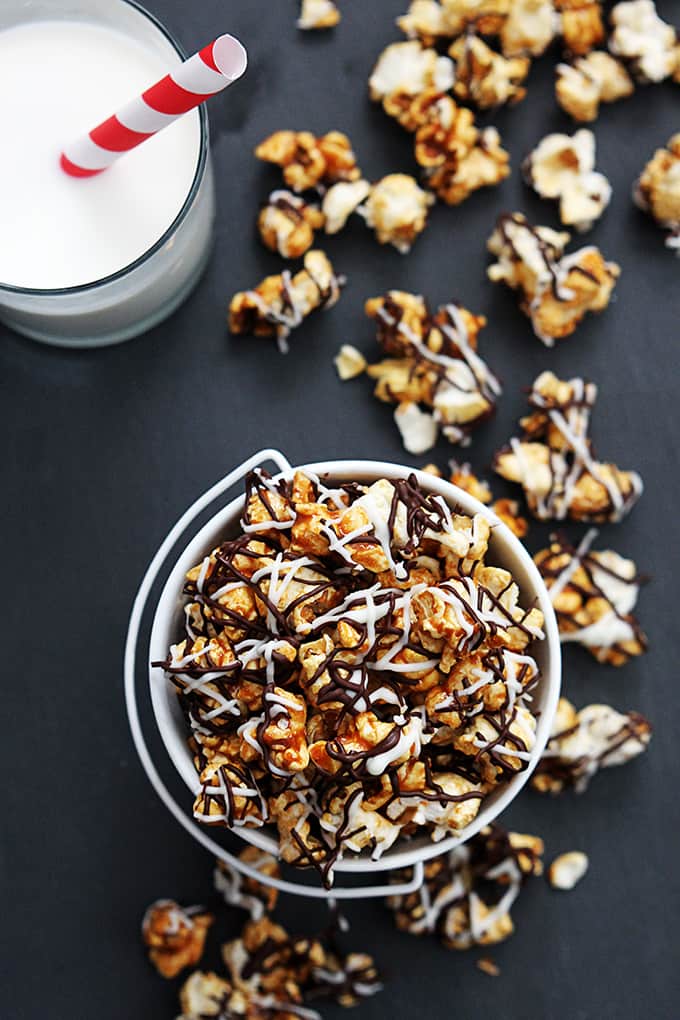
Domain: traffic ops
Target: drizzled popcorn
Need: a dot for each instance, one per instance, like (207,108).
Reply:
(554,460)
(247,893)
(280,303)
(467,894)
(484,77)
(457,158)
(557,290)
(506,509)
(287,224)
(308,161)
(175,936)
(584,742)
(317,14)
(657,190)
(594,594)
(432,368)
(596,78)
(563,167)
(352,670)
(581,25)
(397,209)
(643,39)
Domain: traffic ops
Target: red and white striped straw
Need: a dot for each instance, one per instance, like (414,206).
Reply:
(212,69)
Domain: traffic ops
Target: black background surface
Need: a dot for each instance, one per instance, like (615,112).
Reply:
(104,449)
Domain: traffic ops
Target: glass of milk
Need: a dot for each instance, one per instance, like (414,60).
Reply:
(93,261)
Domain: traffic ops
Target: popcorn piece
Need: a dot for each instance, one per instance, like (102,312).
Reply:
(581,25)
(418,429)
(563,167)
(397,209)
(409,69)
(308,161)
(432,361)
(584,742)
(530,27)
(467,894)
(428,21)
(484,77)
(203,995)
(325,671)
(486,17)
(340,201)
(557,290)
(240,891)
(567,870)
(641,37)
(287,224)
(316,14)
(280,303)
(657,190)
(483,166)
(349,362)
(596,78)
(175,937)
(594,594)
(487,966)
(462,476)
(554,459)
(509,513)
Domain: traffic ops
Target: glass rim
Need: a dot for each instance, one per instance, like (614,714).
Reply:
(119,274)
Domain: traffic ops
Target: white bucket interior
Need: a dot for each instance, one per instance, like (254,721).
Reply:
(505,550)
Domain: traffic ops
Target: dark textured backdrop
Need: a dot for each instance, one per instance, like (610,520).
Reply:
(103,449)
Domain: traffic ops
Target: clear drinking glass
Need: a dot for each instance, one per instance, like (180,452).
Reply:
(146,291)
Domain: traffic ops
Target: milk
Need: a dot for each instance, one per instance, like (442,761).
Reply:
(58,79)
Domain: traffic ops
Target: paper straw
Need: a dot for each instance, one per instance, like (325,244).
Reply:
(210,71)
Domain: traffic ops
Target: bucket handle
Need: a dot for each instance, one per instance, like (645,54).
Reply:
(129,672)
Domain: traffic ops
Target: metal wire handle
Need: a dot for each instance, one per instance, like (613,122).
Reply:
(129,673)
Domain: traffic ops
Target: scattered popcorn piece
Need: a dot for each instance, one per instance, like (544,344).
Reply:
(280,303)
(657,190)
(487,966)
(287,224)
(484,165)
(432,361)
(641,37)
(509,512)
(316,14)
(247,893)
(308,161)
(596,78)
(349,362)
(396,208)
(563,167)
(406,68)
(530,27)
(484,77)
(554,460)
(567,870)
(418,429)
(557,290)
(584,742)
(432,469)
(175,937)
(340,201)
(467,894)
(428,21)
(594,594)
(463,476)
(581,25)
